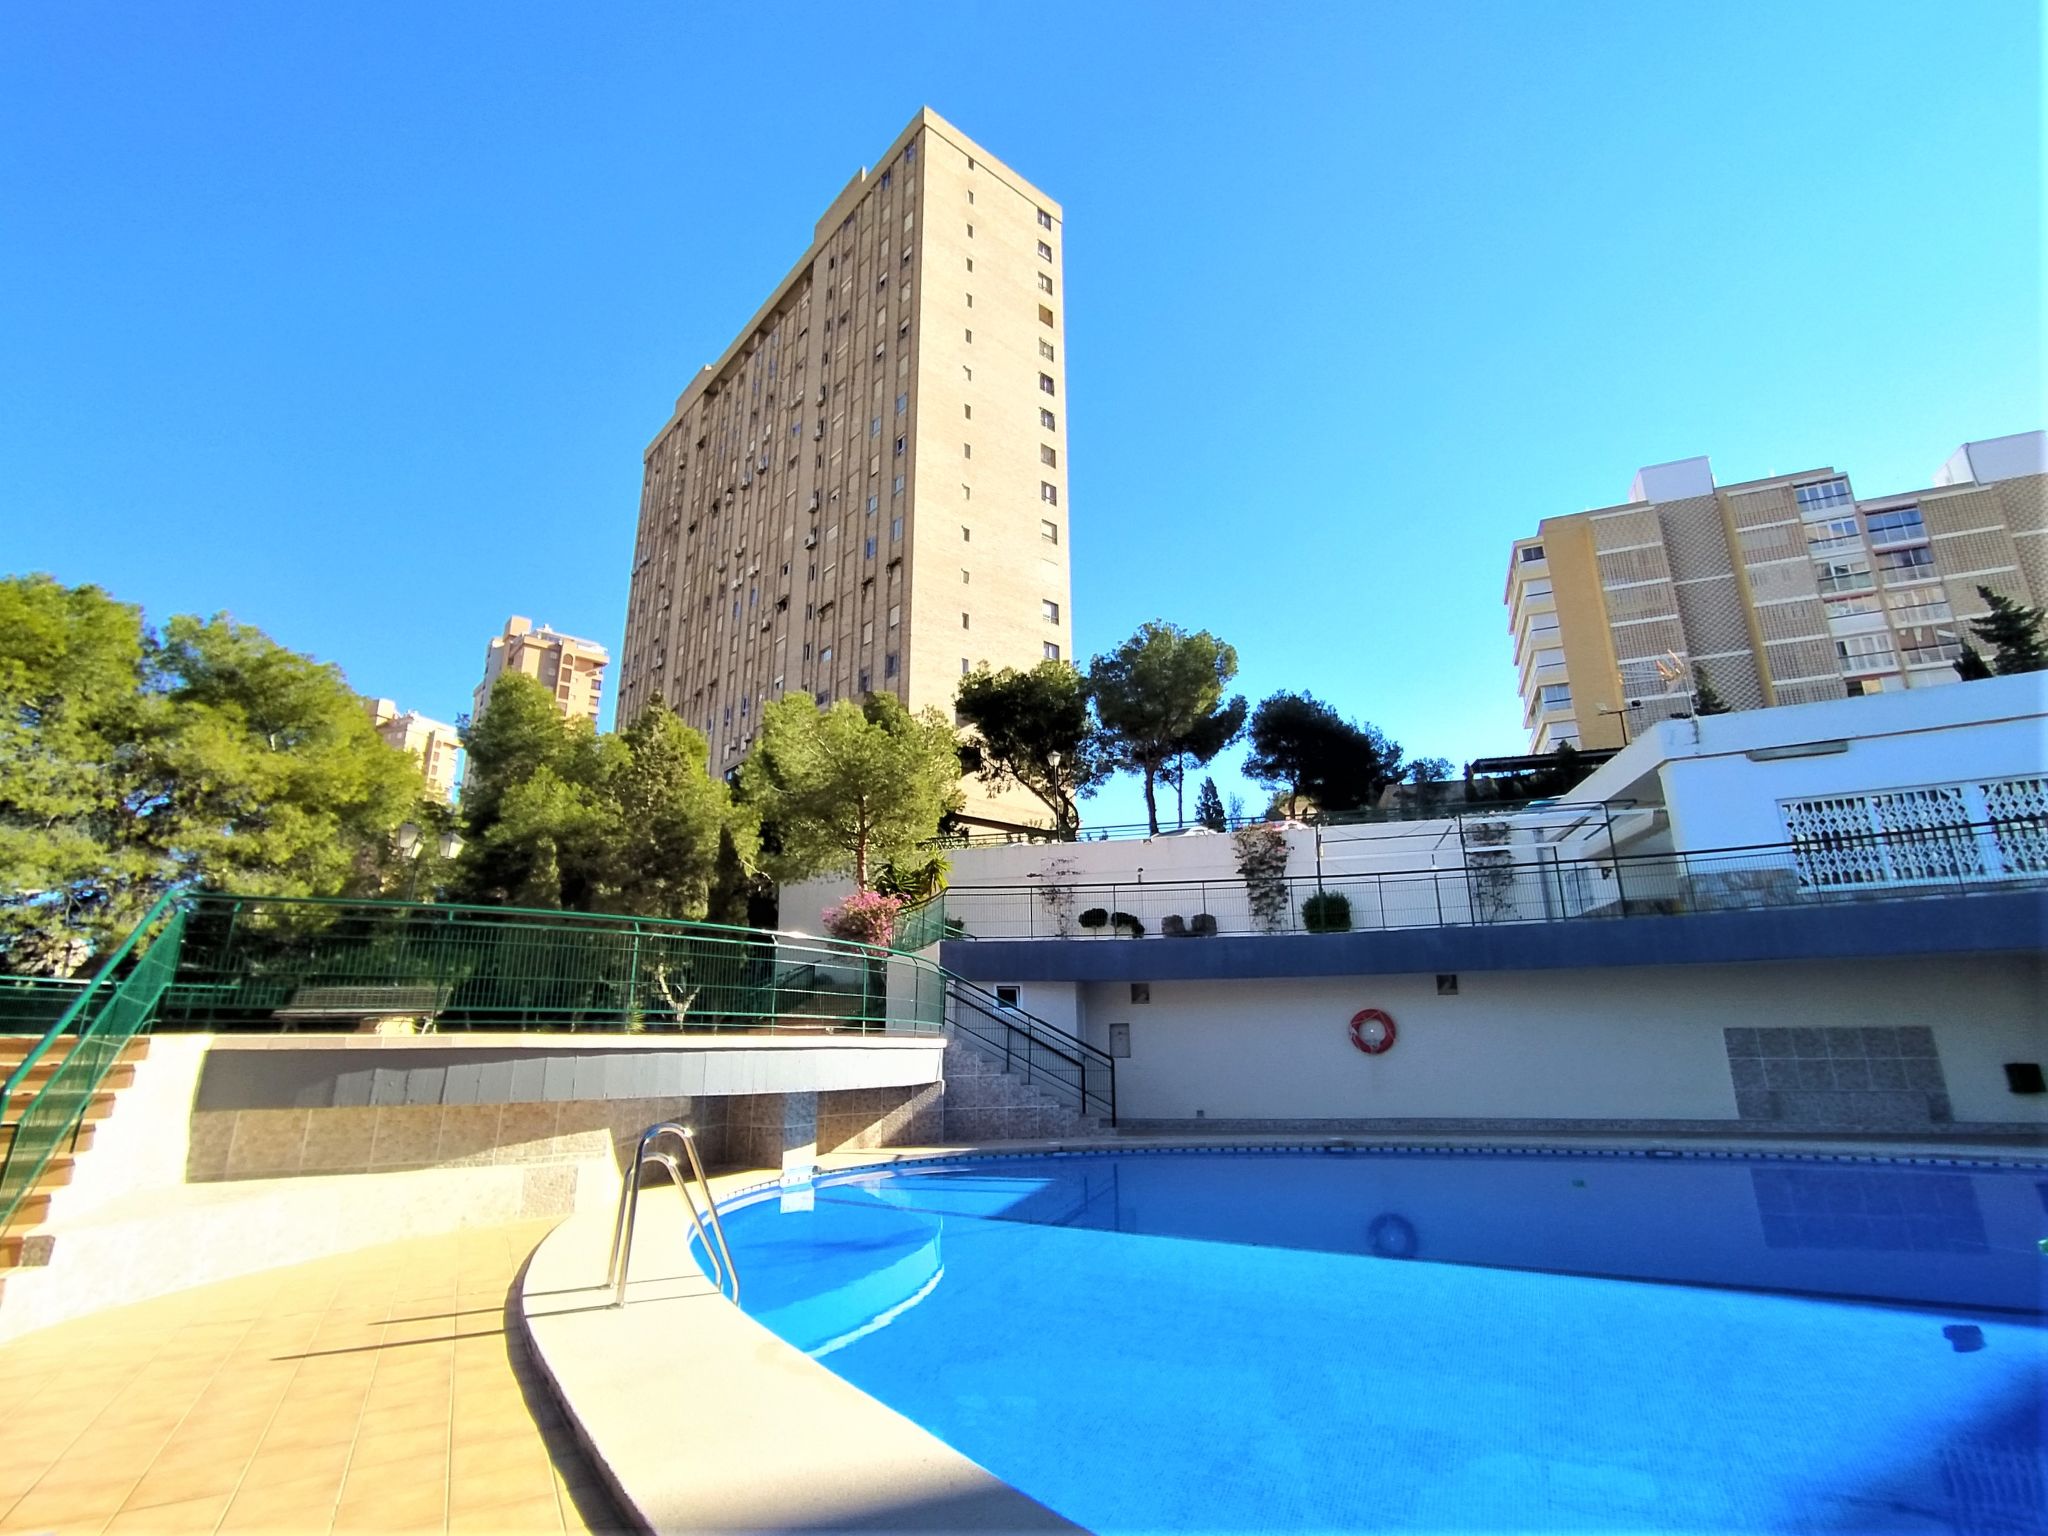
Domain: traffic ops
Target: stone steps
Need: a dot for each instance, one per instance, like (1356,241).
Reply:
(986,1103)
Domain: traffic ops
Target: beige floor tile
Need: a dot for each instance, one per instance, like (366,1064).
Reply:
(532,1515)
(94,1504)
(186,1516)
(295,1475)
(182,1482)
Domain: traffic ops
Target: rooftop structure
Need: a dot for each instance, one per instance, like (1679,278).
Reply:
(1786,590)
(867,491)
(571,669)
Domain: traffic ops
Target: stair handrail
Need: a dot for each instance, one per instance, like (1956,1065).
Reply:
(1049,1037)
(88,1019)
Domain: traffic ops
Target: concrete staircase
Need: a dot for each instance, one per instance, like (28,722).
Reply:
(986,1103)
(25,1240)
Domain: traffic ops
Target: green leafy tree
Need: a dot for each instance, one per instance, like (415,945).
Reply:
(1704,700)
(1209,807)
(1033,729)
(1199,746)
(556,815)
(849,789)
(1310,752)
(2013,631)
(1159,698)
(209,757)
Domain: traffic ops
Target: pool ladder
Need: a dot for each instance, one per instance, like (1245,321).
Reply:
(717,1255)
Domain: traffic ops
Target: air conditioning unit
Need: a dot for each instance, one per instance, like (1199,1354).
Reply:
(811,539)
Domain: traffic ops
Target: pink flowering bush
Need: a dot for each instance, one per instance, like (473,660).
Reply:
(866,917)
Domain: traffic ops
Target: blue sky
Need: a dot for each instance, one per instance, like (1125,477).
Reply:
(354,320)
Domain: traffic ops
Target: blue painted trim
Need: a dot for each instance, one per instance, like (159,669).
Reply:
(1996,923)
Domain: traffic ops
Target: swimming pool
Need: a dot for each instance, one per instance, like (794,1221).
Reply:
(1432,1341)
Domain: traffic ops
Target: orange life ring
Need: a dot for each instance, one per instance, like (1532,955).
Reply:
(1366,1017)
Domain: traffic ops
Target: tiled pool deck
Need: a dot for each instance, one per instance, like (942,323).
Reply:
(375,1391)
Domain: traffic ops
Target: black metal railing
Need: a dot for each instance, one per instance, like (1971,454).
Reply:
(1526,882)
(1079,1075)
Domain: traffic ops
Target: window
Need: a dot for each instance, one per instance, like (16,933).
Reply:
(1045,384)
(1822,493)
(895,614)
(967,412)
(966,534)
(1047,420)
(1899,526)
(970,231)
(889,665)
(1049,611)
(1048,493)
(1044,251)
(899,486)
(1842,575)
(1045,350)
(964,668)
(867,632)
(1908,564)
(970,337)
(1865,653)
(902,404)
(1555,696)
(1044,219)
(1531,552)
(1833,536)
(1048,530)
(874,505)
(1044,283)
(967,450)
(899,446)
(1536,586)
(875,427)
(1052,651)
(1044,315)
(970,263)
(963,621)
(1542,624)
(1549,656)
(871,547)
(825,654)
(895,528)
(969,372)
(970,305)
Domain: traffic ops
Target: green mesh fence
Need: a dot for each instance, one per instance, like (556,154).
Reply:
(118,1004)
(272,963)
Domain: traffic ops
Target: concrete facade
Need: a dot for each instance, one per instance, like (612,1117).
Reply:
(867,492)
(570,669)
(1787,590)
(435,746)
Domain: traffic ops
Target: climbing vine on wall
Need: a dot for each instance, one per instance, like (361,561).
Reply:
(1262,862)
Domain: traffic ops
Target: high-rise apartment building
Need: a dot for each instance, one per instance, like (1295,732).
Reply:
(867,492)
(435,745)
(569,668)
(1785,590)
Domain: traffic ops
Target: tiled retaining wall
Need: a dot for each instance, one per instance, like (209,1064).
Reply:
(276,1143)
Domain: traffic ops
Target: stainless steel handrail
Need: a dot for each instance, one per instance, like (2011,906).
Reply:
(718,1254)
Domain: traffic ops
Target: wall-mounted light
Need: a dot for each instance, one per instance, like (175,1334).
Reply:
(1798,749)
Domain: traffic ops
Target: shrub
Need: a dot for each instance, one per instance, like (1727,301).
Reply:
(1094,917)
(1124,922)
(1173,927)
(866,917)
(1202,925)
(1327,912)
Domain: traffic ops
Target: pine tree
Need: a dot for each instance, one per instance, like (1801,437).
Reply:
(2013,631)
(1970,666)
(1209,807)
(1704,700)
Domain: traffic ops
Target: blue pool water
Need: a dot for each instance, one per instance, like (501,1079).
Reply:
(1440,1342)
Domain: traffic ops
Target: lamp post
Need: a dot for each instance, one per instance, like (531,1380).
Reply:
(408,841)
(1052,763)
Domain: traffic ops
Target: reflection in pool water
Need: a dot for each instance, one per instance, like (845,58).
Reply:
(1334,1341)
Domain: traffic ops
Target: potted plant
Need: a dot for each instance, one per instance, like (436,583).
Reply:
(1327,912)
(1124,922)
(1095,919)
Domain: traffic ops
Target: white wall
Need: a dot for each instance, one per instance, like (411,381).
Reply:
(1718,797)
(1586,1044)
